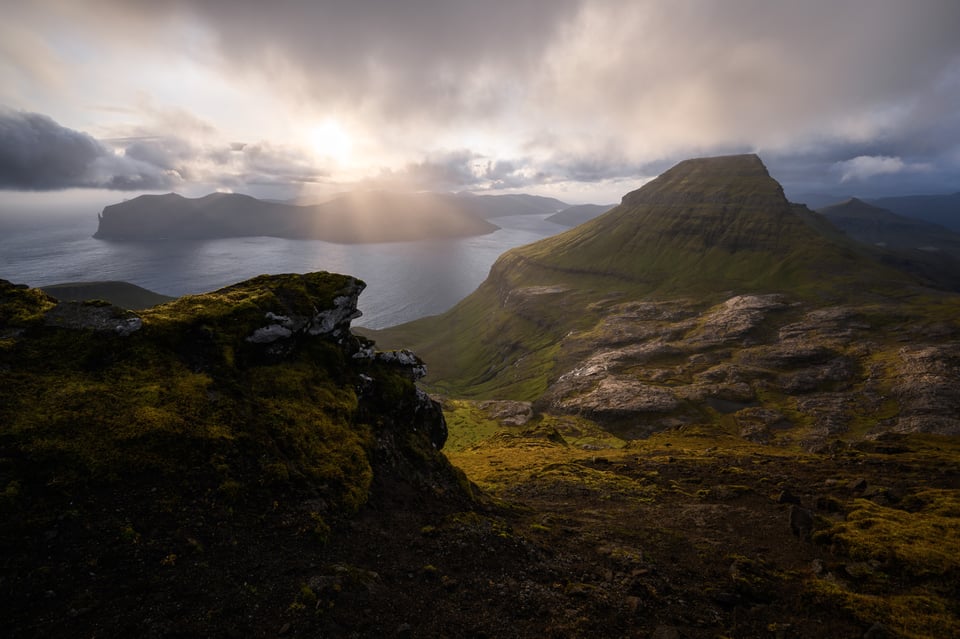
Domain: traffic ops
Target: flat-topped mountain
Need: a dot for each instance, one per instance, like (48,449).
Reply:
(704,295)
(375,216)
(492,206)
(704,226)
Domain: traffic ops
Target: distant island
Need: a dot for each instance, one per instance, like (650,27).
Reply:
(122,294)
(578,214)
(358,217)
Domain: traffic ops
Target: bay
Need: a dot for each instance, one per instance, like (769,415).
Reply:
(405,280)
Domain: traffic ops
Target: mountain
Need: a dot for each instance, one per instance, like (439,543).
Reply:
(578,214)
(492,206)
(937,209)
(375,216)
(703,294)
(816,201)
(708,380)
(122,294)
(874,225)
(927,250)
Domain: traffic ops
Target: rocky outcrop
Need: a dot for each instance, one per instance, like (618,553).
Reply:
(200,442)
(784,372)
(926,388)
(95,316)
(734,319)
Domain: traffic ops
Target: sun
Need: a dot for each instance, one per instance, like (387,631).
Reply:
(330,140)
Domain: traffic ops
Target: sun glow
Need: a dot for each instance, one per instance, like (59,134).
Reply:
(330,140)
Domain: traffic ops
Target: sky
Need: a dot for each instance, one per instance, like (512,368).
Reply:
(584,100)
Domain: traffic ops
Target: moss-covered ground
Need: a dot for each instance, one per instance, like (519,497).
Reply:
(690,529)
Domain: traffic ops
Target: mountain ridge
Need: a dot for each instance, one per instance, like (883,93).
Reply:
(708,261)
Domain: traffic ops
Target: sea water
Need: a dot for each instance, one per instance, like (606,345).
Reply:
(405,280)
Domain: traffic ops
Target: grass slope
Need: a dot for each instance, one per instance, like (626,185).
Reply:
(706,229)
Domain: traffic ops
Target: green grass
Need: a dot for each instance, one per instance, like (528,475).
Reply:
(703,231)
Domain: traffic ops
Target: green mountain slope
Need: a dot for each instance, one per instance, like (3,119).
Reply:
(704,226)
(705,230)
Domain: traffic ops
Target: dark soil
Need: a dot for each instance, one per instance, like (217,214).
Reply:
(706,550)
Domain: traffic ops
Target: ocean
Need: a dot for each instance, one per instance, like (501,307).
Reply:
(405,280)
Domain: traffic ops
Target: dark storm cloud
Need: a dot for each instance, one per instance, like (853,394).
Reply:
(38,154)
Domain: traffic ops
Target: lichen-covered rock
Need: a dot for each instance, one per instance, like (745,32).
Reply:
(735,318)
(833,370)
(619,395)
(928,389)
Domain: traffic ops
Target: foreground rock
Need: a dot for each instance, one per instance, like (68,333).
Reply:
(164,473)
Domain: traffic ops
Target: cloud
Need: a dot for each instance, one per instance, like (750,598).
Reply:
(448,171)
(639,80)
(38,154)
(266,163)
(506,93)
(864,167)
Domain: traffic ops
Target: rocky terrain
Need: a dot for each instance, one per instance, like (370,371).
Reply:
(744,421)
(703,414)
(769,370)
(240,464)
